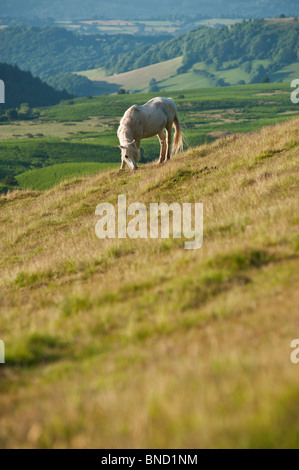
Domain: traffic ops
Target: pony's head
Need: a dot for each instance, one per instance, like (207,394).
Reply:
(130,155)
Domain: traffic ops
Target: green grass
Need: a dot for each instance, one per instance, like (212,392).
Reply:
(47,177)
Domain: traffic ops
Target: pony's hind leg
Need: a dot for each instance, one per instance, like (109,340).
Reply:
(169,138)
(162,139)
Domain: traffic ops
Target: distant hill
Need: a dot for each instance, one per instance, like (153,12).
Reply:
(245,52)
(251,40)
(54,53)
(22,87)
(132,9)
(51,51)
(248,52)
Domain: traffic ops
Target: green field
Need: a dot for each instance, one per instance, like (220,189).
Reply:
(137,80)
(50,176)
(202,75)
(84,130)
(288,73)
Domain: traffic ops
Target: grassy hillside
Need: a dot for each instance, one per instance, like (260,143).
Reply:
(140,343)
(199,75)
(137,80)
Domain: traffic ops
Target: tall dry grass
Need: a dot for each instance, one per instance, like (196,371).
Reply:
(140,343)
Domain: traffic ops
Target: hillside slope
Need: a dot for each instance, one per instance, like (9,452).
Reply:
(22,87)
(140,343)
(50,51)
(138,79)
(249,52)
(245,52)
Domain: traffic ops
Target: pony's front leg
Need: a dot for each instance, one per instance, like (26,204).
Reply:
(162,139)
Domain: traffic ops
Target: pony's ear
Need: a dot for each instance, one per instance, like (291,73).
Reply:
(121,147)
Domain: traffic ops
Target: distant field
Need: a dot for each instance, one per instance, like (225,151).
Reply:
(19,156)
(212,22)
(47,177)
(117,26)
(137,80)
(288,73)
(280,20)
(143,26)
(39,128)
(122,26)
(185,81)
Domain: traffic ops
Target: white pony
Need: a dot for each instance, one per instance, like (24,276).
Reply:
(140,122)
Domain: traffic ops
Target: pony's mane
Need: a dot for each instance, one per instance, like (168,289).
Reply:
(128,118)
(126,125)
(126,130)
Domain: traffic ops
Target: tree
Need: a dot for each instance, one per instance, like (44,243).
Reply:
(12,114)
(153,86)
(25,112)
(247,66)
(265,79)
(121,91)
(10,180)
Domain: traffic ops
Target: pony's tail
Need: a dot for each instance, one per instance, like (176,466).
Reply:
(178,137)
